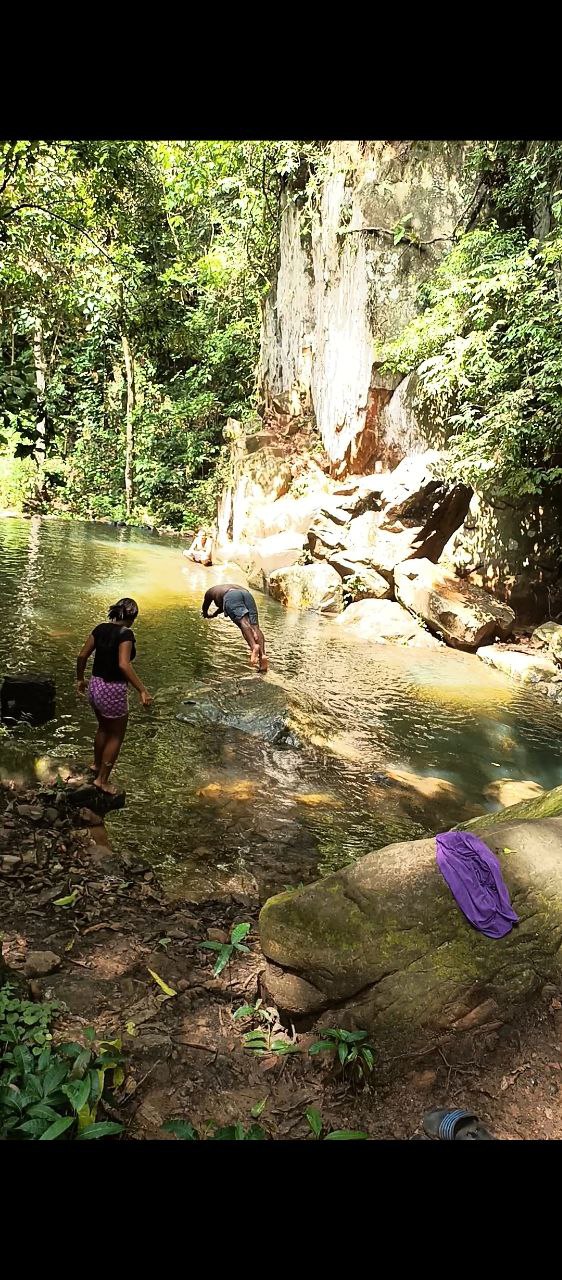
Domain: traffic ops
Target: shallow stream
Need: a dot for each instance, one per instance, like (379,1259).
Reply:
(277,778)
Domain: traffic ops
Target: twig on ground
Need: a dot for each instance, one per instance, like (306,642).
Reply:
(131,1094)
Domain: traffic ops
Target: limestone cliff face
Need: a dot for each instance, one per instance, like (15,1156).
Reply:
(343,286)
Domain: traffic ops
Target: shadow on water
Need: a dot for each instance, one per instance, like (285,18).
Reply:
(269,779)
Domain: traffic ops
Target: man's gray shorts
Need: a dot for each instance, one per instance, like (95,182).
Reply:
(237,604)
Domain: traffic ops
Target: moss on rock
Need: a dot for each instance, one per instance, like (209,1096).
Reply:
(547,805)
(385,942)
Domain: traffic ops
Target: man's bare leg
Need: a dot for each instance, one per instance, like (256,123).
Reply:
(248,631)
(259,636)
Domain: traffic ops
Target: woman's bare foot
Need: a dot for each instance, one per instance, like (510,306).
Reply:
(106,786)
(264,665)
(255,657)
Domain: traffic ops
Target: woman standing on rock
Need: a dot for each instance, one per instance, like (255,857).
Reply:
(113,644)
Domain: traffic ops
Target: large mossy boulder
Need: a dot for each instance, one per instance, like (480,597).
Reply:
(382,944)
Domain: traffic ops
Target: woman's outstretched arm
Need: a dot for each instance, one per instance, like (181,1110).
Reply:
(81,661)
(126,666)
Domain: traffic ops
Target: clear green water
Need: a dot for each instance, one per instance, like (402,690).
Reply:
(208,804)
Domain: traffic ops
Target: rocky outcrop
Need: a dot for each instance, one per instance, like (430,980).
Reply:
(464,615)
(522,664)
(308,586)
(361,583)
(537,662)
(384,622)
(279,551)
(382,945)
(347,284)
(410,513)
(549,637)
(342,289)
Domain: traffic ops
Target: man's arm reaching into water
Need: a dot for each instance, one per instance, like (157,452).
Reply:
(209,599)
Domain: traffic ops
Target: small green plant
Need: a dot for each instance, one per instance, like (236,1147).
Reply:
(24,1022)
(403,231)
(262,1042)
(333,1135)
(226,950)
(48,1091)
(260,1039)
(353,1053)
(183,1129)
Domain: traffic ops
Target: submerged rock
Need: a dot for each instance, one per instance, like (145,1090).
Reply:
(466,616)
(258,707)
(508,792)
(384,946)
(426,786)
(547,805)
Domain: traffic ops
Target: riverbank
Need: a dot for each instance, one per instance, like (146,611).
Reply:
(185,1052)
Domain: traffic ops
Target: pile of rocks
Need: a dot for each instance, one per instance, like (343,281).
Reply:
(368,551)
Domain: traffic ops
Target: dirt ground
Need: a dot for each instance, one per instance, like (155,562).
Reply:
(186,1056)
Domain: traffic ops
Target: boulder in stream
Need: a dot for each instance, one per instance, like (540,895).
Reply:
(308,586)
(279,551)
(361,583)
(27,697)
(528,666)
(465,615)
(382,944)
(385,622)
(549,637)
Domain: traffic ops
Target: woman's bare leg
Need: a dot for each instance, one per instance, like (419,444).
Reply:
(99,743)
(115,732)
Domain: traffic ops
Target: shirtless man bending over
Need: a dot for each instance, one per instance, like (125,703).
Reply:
(239,605)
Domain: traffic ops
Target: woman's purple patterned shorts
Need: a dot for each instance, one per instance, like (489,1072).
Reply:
(108,697)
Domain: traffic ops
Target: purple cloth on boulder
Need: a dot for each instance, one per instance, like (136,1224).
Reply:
(473,875)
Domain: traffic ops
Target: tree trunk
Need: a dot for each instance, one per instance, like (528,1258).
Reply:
(129,423)
(40,384)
